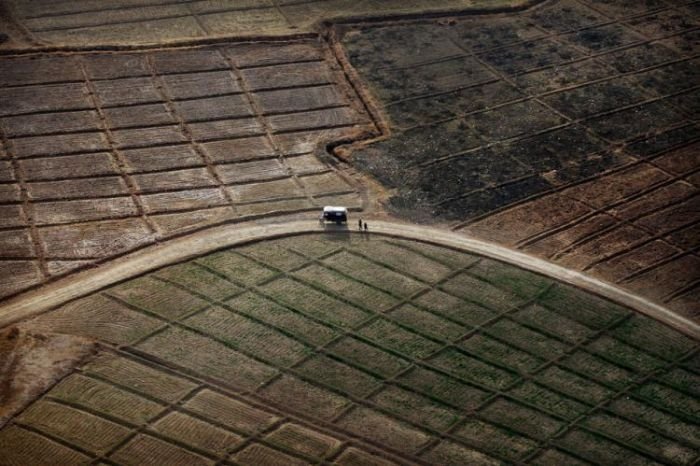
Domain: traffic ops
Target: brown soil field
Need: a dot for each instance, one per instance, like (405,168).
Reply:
(103,153)
(568,131)
(252,355)
(78,22)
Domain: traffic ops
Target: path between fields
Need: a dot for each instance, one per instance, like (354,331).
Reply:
(203,242)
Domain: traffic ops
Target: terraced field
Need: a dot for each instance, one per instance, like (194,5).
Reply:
(360,349)
(568,130)
(103,153)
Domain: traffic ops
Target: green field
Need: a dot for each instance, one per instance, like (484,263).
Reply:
(348,349)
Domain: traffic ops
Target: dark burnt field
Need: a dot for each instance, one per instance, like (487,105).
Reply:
(103,153)
(574,123)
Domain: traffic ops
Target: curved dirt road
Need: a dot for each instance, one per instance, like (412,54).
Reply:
(81,284)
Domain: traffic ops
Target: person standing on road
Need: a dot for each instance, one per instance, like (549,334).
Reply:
(359,224)
(365,227)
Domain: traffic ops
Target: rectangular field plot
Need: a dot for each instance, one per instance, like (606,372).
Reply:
(522,419)
(61,144)
(85,430)
(392,336)
(682,379)
(494,439)
(281,206)
(158,297)
(548,401)
(191,199)
(472,369)
(293,74)
(212,359)
(315,304)
(127,91)
(144,449)
(199,434)
(106,398)
(586,309)
(46,123)
(145,137)
(482,293)
(257,170)
(446,389)
(188,60)
(20,446)
(44,99)
(52,213)
(249,336)
(507,277)
(624,355)
(325,118)
(139,377)
(262,454)
(161,158)
(346,288)
(454,308)
(379,276)
(531,55)
(305,164)
(367,356)
(173,180)
(303,440)
(654,337)
(501,353)
(68,189)
(439,254)
(200,280)
(266,191)
(380,427)
(598,449)
(303,328)
(526,339)
(98,317)
(292,100)
(225,129)
(641,438)
(403,259)
(416,408)
(598,369)
(447,452)
(239,150)
(339,376)
(195,85)
(649,416)
(552,323)
(427,323)
(213,108)
(274,254)
(236,267)
(575,386)
(325,183)
(249,55)
(232,413)
(138,115)
(112,66)
(304,397)
(37,70)
(677,403)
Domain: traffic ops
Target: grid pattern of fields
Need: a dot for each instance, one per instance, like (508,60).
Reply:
(144,21)
(102,153)
(418,352)
(574,123)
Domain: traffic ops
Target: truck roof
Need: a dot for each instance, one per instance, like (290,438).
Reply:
(329,208)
